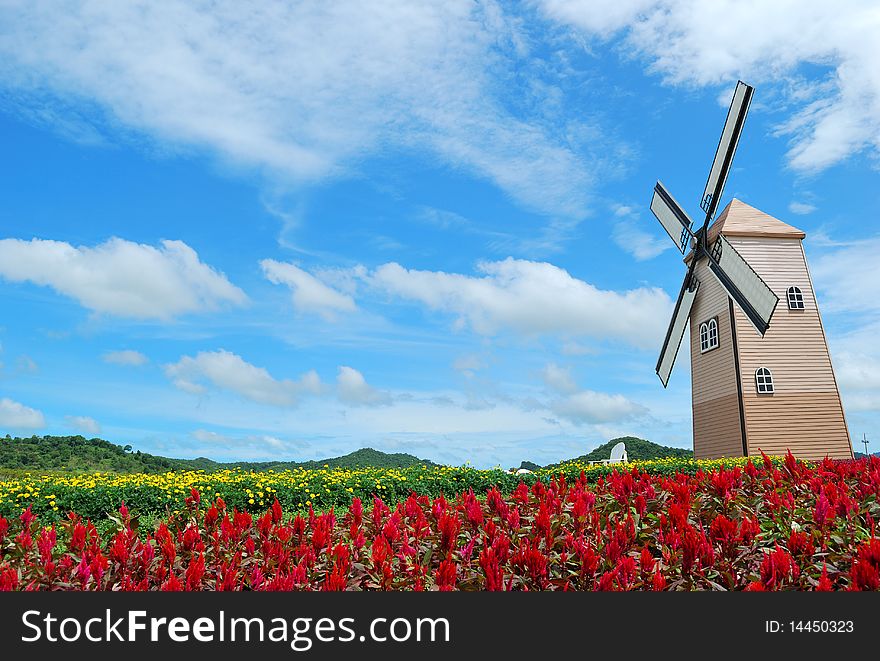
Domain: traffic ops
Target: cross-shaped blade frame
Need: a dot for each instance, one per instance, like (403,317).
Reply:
(736,117)
(753,296)
(674,219)
(675,332)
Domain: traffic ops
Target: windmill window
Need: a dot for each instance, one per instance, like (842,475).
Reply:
(709,335)
(764,381)
(795,298)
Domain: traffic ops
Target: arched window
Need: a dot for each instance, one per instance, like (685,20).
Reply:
(708,335)
(764,381)
(795,298)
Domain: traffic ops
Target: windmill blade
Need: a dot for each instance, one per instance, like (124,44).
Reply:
(742,284)
(673,218)
(736,117)
(676,327)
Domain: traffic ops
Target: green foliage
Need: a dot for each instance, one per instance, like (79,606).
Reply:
(76,454)
(637,449)
(530,466)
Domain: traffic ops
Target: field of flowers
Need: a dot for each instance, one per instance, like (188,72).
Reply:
(774,525)
(94,495)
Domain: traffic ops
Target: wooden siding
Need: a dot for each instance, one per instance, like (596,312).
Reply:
(717,430)
(716,421)
(804,413)
(809,424)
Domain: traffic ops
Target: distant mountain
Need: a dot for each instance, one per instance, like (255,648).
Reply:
(862,455)
(636,448)
(78,454)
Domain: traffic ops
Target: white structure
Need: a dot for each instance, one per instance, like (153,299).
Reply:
(618,455)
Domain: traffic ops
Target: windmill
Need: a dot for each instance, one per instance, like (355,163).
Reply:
(794,402)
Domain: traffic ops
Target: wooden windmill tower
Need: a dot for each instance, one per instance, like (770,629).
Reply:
(754,388)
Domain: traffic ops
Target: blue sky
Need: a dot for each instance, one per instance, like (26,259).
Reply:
(248,232)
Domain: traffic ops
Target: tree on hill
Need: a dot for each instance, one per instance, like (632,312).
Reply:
(77,454)
(636,449)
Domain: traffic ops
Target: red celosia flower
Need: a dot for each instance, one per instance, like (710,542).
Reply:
(448,525)
(8,579)
(799,544)
(749,528)
(194,573)
(356,511)
(866,567)
(822,513)
(335,581)
(446,576)
(173,584)
(778,568)
(646,561)
(658,583)
(559,535)
(276,512)
(824,582)
(724,532)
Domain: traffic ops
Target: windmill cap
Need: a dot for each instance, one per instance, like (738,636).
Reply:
(741,219)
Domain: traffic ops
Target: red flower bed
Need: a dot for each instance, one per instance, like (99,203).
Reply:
(797,527)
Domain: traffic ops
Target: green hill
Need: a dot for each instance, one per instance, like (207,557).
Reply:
(77,454)
(636,448)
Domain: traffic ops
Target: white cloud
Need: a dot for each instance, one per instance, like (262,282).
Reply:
(120,277)
(801,208)
(19,416)
(302,90)
(255,442)
(309,293)
(225,440)
(631,235)
(228,371)
(469,364)
(856,358)
(558,378)
(843,281)
(83,423)
(590,407)
(352,388)
(576,349)
(709,43)
(210,436)
(858,375)
(26,365)
(531,298)
(125,357)
(858,371)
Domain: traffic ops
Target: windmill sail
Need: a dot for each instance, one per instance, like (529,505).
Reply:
(742,284)
(736,117)
(676,327)
(673,218)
